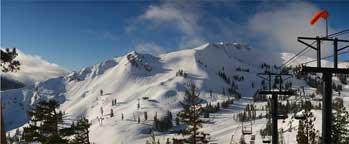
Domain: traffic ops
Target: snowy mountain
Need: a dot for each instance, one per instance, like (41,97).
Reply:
(155,83)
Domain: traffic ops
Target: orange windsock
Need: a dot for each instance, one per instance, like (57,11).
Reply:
(319,14)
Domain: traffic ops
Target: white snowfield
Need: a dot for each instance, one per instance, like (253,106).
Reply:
(153,82)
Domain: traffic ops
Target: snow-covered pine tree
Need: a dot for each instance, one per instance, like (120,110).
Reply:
(306,132)
(177,121)
(190,116)
(152,139)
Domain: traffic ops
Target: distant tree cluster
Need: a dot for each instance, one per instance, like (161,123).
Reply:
(181,73)
(242,70)
(238,78)
(163,123)
(113,102)
(265,67)
(209,108)
(248,114)
(232,90)
(260,98)
(224,77)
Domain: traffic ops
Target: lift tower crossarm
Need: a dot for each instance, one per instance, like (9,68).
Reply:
(324,70)
(276,92)
(322,39)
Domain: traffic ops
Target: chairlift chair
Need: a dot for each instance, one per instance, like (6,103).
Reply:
(266,139)
(253,137)
(246,130)
(282,116)
(299,116)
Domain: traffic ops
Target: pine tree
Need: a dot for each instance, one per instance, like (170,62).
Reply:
(156,121)
(340,130)
(44,124)
(191,116)
(152,138)
(111,113)
(138,104)
(8,64)
(306,132)
(81,132)
(145,116)
(242,140)
(139,119)
(177,121)
(301,137)
(168,141)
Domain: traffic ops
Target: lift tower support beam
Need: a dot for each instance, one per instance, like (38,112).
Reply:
(327,80)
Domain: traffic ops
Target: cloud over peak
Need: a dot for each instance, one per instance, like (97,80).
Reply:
(33,68)
(149,48)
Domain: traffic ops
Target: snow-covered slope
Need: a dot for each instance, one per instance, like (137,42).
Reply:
(150,80)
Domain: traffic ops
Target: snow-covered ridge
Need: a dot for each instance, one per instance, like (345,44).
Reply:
(150,79)
(134,76)
(92,71)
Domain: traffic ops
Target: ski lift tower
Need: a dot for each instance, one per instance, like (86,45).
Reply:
(274,103)
(326,72)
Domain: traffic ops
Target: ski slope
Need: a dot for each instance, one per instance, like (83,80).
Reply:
(158,90)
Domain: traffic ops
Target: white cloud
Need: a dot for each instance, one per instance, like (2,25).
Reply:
(278,29)
(149,48)
(33,68)
(169,13)
(184,18)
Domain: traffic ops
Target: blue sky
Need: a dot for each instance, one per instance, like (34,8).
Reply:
(79,33)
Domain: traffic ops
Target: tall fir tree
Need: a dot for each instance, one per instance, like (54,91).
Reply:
(340,126)
(7,64)
(44,126)
(190,116)
(81,132)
